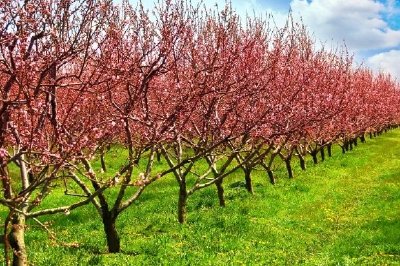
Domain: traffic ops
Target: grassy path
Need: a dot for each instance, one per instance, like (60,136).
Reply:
(344,211)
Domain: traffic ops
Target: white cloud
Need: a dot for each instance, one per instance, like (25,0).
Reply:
(392,8)
(386,61)
(357,22)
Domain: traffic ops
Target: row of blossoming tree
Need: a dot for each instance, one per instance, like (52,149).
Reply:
(202,90)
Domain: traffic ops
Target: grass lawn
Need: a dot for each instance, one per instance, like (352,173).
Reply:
(344,211)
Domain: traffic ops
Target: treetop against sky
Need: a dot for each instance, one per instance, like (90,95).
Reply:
(370,28)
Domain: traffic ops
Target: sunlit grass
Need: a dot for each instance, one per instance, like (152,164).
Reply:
(344,211)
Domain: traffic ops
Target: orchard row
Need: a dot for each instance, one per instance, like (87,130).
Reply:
(190,86)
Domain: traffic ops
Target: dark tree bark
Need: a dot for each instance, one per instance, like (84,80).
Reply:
(182,203)
(322,151)
(343,149)
(289,168)
(314,156)
(271,177)
(346,145)
(220,191)
(158,153)
(5,180)
(362,138)
(248,181)
(103,163)
(329,148)
(302,162)
(112,236)
(109,218)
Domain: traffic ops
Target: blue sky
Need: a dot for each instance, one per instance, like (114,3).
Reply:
(370,28)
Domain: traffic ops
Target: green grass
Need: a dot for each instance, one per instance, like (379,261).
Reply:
(344,211)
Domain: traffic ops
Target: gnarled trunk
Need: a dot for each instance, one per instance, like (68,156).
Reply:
(16,239)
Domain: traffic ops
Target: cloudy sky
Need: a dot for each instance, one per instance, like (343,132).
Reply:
(370,28)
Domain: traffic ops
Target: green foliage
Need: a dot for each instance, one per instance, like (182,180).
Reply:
(344,211)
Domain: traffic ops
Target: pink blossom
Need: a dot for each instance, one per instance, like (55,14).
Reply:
(3,153)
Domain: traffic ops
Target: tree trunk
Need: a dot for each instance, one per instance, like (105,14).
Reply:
(343,149)
(302,162)
(289,168)
(247,178)
(220,190)
(158,156)
(346,145)
(16,239)
(362,138)
(182,202)
(355,142)
(314,157)
(322,151)
(5,180)
(113,241)
(103,163)
(271,177)
(329,147)
(370,135)
(350,145)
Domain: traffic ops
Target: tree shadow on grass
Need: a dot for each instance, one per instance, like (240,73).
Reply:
(95,250)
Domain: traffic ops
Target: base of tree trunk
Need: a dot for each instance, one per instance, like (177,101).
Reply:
(271,177)
(314,157)
(248,181)
(343,149)
(112,236)
(182,202)
(302,163)
(289,168)
(322,151)
(220,191)
(16,240)
(329,148)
